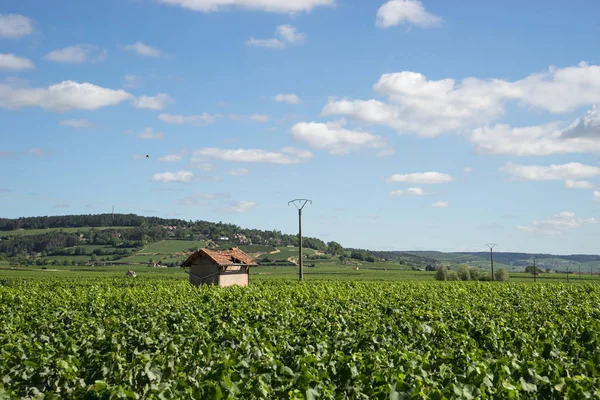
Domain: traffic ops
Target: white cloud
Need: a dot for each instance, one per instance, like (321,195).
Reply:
(596,195)
(408,192)
(289,98)
(15,26)
(440,204)
(467,170)
(396,12)
(179,176)
(64,96)
(287,155)
(188,119)
(334,138)
(78,54)
(10,62)
(288,34)
(272,43)
(431,177)
(561,172)
(557,224)
(415,104)
(582,136)
(148,133)
(570,184)
(76,123)
(261,118)
(171,158)
(157,102)
(238,172)
(240,207)
(143,49)
(275,6)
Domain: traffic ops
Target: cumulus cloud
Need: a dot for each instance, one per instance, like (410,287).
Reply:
(557,224)
(157,102)
(415,104)
(287,155)
(142,49)
(408,192)
(556,172)
(287,34)
(596,195)
(76,123)
(239,207)
(582,136)
(10,62)
(440,204)
(570,184)
(396,12)
(275,6)
(290,34)
(179,119)
(148,133)
(64,96)
(431,177)
(179,176)
(15,26)
(78,54)
(289,98)
(334,138)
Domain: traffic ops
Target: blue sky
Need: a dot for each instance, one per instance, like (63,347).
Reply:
(410,124)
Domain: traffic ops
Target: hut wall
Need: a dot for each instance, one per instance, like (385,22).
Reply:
(229,278)
(202,268)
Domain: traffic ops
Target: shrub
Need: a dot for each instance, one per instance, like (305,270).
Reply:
(452,276)
(501,275)
(464,273)
(441,274)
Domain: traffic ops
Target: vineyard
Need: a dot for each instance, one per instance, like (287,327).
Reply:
(157,337)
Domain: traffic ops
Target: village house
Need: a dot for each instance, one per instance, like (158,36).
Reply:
(223,268)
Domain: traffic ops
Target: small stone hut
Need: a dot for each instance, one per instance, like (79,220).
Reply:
(223,268)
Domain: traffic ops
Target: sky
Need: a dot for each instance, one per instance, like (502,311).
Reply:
(411,125)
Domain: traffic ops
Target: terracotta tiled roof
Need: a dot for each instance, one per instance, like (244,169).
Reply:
(222,257)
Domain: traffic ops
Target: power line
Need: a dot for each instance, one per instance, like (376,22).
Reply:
(299,204)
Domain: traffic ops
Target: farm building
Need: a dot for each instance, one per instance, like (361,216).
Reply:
(223,268)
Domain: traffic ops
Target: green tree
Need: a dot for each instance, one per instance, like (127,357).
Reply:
(441,274)
(464,272)
(452,276)
(501,275)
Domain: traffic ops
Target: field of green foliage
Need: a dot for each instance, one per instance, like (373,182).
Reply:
(158,337)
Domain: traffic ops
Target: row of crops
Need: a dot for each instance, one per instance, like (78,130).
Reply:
(161,338)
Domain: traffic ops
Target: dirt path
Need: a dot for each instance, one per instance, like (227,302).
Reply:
(275,251)
(293,260)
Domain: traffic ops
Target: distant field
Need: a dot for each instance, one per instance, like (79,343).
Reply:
(24,232)
(171,246)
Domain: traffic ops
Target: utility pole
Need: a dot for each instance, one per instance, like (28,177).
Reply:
(491,246)
(299,204)
(534,271)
